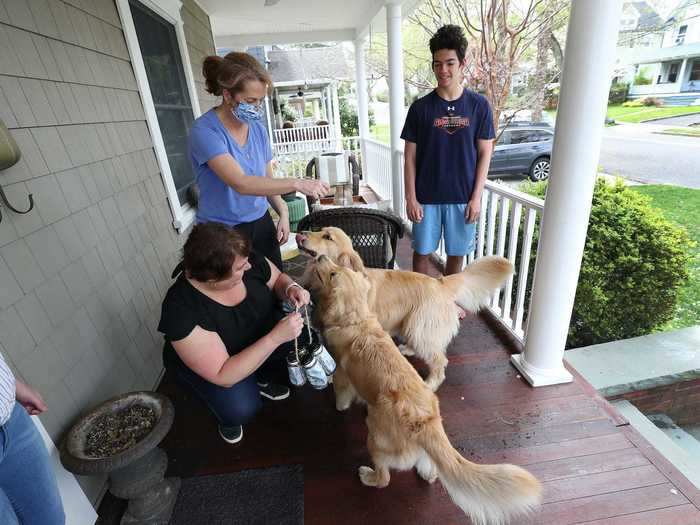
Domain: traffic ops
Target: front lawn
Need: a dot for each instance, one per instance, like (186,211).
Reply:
(644,113)
(682,206)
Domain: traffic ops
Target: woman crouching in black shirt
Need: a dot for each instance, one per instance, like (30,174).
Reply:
(222,325)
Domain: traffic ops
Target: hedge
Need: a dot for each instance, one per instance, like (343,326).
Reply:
(634,263)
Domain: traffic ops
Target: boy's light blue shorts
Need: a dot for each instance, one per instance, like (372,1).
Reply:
(448,218)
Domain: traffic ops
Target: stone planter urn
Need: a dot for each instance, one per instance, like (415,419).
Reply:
(135,473)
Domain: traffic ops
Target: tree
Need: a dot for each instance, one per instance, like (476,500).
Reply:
(349,121)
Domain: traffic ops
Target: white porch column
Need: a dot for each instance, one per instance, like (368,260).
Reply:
(336,111)
(329,106)
(583,100)
(396,101)
(324,106)
(362,102)
(683,70)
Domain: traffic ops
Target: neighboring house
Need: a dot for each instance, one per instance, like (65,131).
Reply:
(102,125)
(305,79)
(673,68)
(641,27)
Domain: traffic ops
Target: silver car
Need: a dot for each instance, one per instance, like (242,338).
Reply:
(523,149)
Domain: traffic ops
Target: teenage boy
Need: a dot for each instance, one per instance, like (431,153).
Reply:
(449,140)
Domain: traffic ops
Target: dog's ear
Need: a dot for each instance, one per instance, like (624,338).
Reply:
(351,260)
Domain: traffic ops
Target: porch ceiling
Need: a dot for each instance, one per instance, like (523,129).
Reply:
(250,22)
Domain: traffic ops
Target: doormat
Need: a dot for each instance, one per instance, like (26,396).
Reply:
(260,496)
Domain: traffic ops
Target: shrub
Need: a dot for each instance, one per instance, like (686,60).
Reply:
(618,93)
(349,121)
(641,78)
(652,101)
(634,263)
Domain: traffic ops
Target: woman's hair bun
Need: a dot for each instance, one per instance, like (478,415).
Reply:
(210,69)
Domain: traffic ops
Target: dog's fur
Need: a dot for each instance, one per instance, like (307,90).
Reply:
(420,309)
(403,414)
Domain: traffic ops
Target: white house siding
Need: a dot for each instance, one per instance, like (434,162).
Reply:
(82,276)
(200,43)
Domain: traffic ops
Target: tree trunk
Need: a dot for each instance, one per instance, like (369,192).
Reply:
(544,43)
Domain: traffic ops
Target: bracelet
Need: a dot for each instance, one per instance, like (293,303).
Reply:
(293,283)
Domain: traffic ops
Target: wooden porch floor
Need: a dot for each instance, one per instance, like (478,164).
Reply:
(594,467)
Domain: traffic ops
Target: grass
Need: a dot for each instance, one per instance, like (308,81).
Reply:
(688,132)
(644,113)
(380,132)
(682,206)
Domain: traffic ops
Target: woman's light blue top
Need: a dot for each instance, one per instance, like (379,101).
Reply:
(218,202)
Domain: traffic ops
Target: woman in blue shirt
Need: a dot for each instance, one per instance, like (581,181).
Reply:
(231,156)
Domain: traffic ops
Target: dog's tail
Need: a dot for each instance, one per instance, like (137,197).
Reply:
(488,494)
(473,286)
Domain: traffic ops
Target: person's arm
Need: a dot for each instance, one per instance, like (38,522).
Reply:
(413,208)
(29,398)
(205,354)
(286,288)
(484,150)
(282,210)
(229,171)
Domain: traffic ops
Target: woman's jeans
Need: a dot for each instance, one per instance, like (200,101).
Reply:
(28,491)
(235,405)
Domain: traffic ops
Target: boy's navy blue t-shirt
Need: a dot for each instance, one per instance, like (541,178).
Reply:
(445,133)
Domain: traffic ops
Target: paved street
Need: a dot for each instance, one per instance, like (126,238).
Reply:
(635,152)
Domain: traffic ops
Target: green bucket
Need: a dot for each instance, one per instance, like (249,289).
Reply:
(296,211)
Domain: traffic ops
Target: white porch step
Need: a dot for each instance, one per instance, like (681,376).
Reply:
(688,464)
(679,436)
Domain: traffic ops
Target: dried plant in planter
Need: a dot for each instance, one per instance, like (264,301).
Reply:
(115,432)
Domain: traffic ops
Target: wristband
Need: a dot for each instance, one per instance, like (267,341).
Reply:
(293,283)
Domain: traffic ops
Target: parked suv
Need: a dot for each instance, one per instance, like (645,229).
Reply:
(523,149)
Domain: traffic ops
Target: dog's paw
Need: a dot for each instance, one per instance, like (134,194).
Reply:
(406,350)
(367,476)
(342,406)
(433,383)
(430,475)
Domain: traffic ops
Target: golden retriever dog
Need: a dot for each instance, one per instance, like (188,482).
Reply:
(403,414)
(418,308)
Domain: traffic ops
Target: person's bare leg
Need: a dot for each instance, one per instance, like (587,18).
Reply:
(454,265)
(421,263)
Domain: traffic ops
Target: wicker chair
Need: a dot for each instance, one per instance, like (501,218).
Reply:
(374,233)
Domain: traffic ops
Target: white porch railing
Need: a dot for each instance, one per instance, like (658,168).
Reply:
(304,133)
(378,175)
(293,157)
(506,228)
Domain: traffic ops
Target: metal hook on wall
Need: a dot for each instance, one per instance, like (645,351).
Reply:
(9,156)
(7,203)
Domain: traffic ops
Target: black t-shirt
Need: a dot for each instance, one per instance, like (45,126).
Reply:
(185,307)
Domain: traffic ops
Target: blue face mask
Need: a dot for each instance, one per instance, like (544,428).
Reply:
(247,112)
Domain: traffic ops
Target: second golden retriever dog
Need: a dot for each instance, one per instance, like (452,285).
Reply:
(403,414)
(420,309)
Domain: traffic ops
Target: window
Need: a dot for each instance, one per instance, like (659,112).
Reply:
(523,136)
(503,139)
(673,72)
(544,136)
(680,36)
(166,78)
(695,70)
